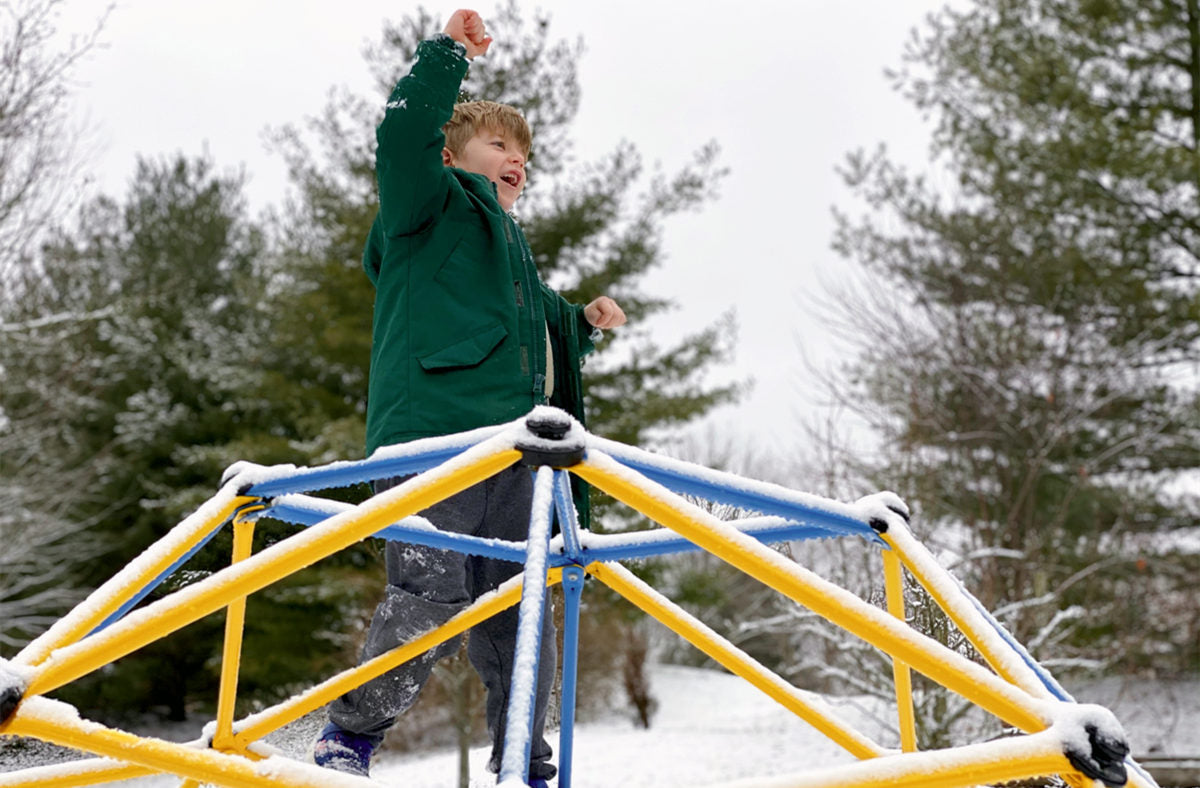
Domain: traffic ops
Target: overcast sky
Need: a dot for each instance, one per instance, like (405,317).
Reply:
(787,87)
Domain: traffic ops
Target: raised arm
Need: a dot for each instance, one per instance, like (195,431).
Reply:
(408,160)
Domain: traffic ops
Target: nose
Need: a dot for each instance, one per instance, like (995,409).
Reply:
(518,159)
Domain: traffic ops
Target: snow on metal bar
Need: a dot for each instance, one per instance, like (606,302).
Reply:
(518,731)
(568,523)
(146,590)
(387,462)
(619,547)
(54,721)
(1047,679)
(1002,651)
(90,771)
(720,487)
(109,596)
(1033,755)
(310,511)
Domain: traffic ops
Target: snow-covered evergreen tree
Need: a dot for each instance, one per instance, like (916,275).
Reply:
(1030,335)
(37,159)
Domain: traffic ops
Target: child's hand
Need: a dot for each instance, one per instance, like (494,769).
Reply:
(604,313)
(466,27)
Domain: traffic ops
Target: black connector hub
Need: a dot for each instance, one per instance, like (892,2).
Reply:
(548,442)
(1106,761)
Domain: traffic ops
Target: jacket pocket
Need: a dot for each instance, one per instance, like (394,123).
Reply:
(466,352)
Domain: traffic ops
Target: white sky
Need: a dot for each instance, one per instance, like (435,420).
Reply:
(787,87)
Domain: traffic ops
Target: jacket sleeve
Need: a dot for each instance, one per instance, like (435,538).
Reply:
(413,182)
(373,252)
(572,327)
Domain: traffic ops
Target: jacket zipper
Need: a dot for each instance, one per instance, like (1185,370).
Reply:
(536,333)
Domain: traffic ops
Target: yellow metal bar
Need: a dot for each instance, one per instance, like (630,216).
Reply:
(190,783)
(265,722)
(980,633)
(276,562)
(733,659)
(231,657)
(961,777)
(100,771)
(881,630)
(989,763)
(893,578)
(57,723)
(142,571)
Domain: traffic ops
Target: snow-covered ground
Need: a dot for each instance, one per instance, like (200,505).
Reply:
(712,728)
(1161,717)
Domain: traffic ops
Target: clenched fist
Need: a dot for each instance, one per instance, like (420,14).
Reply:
(467,28)
(604,313)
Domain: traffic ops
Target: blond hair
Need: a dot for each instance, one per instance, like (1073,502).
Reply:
(471,117)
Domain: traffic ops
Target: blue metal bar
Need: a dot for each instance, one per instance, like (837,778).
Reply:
(522,703)
(1045,676)
(789,532)
(345,474)
(426,537)
(289,511)
(463,543)
(1130,763)
(568,521)
(681,482)
(572,595)
(132,602)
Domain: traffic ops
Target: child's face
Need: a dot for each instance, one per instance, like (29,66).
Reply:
(496,156)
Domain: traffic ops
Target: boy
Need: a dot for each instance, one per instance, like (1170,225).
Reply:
(465,335)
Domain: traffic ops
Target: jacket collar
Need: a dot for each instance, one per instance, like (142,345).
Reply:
(482,188)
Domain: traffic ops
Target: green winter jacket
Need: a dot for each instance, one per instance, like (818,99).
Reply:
(461,317)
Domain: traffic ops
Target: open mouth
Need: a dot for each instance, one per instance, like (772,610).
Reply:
(512,179)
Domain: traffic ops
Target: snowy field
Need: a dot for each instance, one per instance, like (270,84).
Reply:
(712,728)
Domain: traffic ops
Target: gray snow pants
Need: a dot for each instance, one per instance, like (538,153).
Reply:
(425,587)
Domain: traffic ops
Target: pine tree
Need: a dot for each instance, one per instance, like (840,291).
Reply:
(1027,366)
(156,385)
(42,544)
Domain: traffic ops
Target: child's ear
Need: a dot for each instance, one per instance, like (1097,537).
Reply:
(447,157)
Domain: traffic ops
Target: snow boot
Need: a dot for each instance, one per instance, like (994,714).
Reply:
(344,751)
(538,782)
